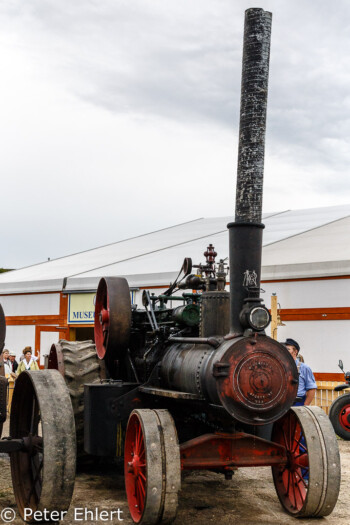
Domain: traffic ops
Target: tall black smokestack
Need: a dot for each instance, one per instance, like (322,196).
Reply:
(255,74)
(246,231)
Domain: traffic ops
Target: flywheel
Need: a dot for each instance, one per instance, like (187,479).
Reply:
(112,318)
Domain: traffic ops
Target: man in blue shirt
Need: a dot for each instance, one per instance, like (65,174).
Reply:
(307,384)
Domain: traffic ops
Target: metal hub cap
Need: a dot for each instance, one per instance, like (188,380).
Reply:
(257,380)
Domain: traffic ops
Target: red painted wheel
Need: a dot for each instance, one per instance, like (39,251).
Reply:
(339,414)
(344,417)
(135,469)
(152,467)
(112,317)
(308,485)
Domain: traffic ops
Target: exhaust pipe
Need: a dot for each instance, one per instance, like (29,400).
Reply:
(245,234)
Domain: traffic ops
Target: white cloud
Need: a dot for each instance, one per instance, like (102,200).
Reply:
(121,117)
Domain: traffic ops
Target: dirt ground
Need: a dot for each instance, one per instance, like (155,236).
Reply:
(248,499)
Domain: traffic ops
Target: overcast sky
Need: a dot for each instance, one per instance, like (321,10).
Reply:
(120,117)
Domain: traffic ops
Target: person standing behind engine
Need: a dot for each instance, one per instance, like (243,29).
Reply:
(6,361)
(307,384)
(28,362)
(13,361)
(24,351)
(5,356)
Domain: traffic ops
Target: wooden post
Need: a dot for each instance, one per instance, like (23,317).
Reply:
(274,321)
(11,386)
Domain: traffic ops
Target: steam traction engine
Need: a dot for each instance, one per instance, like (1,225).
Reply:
(197,385)
(191,381)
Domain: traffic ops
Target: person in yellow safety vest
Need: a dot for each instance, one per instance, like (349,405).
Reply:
(28,362)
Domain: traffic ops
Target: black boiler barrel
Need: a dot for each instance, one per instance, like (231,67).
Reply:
(254,379)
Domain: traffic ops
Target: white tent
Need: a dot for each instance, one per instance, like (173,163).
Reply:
(306,262)
(297,243)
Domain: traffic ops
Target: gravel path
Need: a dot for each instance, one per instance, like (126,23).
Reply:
(248,499)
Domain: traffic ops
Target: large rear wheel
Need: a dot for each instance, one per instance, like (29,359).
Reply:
(339,414)
(152,467)
(43,472)
(78,363)
(308,485)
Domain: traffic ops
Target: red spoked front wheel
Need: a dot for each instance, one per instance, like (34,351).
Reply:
(152,467)
(292,480)
(135,468)
(308,485)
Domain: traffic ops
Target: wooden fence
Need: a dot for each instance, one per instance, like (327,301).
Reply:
(325,394)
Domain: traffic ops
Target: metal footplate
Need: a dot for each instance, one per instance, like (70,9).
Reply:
(169,393)
(3,398)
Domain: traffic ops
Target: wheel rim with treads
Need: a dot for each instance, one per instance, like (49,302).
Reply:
(308,485)
(43,472)
(339,414)
(152,467)
(78,363)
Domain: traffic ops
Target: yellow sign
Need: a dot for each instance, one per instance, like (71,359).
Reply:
(81,308)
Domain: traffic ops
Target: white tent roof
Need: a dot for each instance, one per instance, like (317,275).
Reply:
(297,243)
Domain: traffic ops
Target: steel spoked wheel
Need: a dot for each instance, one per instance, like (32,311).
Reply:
(308,485)
(43,471)
(152,467)
(339,414)
(292,480)
(112,317)
(135,473)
